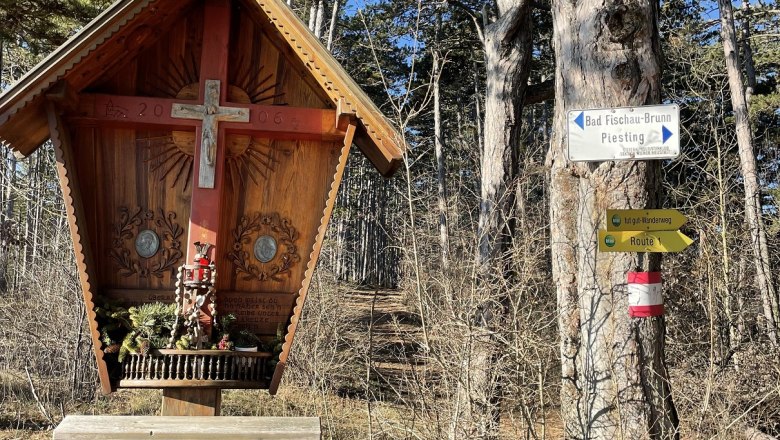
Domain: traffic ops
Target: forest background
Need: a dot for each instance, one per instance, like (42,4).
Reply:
(437,309)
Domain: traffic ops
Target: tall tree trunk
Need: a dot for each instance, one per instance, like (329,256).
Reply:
(749,172)
(441,162)
(747,52)
(2,50)
(507,54)
(614,379)
(334,18)
(313,16)
(320,18)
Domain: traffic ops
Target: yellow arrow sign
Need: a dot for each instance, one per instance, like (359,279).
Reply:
(639,241)
(644,219)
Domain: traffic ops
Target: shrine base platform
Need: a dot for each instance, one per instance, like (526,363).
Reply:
(184,427)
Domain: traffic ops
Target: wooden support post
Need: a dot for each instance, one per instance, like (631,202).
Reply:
(191,401)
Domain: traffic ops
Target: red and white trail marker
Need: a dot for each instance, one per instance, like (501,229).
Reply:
(645,297)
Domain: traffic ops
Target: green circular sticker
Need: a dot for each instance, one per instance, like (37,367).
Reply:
(609,240)
(616,220)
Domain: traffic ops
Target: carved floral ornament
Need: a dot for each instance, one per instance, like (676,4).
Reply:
(146,243)
(264,247)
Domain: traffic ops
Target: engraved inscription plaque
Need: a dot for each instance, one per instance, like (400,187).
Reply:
(258,312)
(265,248)
(147,243)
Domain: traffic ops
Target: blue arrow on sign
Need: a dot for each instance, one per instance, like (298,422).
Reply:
(666,133)
(580,120)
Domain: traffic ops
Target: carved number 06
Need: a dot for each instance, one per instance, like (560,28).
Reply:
(278,118)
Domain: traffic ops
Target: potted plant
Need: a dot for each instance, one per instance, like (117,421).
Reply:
(245,340)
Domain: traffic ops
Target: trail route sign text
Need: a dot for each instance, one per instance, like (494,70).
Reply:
(644,219)
(624,133)
(640,241)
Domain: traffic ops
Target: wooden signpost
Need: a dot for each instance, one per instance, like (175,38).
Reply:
(200,146)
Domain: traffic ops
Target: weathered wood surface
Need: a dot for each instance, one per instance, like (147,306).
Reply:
(272,121)
(199,369)
(313,257)
(171,427)
(191,402)
(69,183)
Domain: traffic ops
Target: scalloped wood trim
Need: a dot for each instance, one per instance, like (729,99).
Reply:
(83,252)
(332,77)
(313,258)
(41,77)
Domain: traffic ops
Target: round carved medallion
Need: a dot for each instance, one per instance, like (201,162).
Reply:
(274,247)
(147,243)
(265,248)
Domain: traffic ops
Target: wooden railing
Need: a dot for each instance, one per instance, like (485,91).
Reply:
(197,368)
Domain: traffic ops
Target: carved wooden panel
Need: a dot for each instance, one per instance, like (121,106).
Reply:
(264,247)
(297,192)
(129,253)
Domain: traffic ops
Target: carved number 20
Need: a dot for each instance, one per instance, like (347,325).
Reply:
(158,109)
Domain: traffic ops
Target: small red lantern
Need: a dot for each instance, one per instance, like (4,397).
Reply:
(201,272)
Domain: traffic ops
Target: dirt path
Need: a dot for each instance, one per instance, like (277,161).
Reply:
(390,334)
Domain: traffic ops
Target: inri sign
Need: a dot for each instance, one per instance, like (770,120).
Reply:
(624,133)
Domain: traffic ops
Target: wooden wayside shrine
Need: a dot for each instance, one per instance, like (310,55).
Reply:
(200,145)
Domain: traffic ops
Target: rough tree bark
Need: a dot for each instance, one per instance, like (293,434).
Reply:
(507,41)
(747,52)
(614,380)
(747,160)
(320,18)
(312,16)
(507,57)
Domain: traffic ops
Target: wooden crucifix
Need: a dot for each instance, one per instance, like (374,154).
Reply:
(211,113)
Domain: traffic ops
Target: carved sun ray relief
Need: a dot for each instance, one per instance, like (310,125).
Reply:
(248,158)
(239,108)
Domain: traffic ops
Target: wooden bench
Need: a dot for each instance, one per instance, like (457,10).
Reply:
(186,427)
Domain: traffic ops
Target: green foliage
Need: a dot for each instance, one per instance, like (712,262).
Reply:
(113,322)
(184,343)
(42,25)
(152,318)
(151,326)
(246,338)
(226,323)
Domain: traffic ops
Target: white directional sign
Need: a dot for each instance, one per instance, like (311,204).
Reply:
(624,133)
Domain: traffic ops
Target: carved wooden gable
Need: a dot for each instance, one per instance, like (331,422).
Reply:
(178,122)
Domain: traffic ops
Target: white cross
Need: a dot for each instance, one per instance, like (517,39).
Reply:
(211,114)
